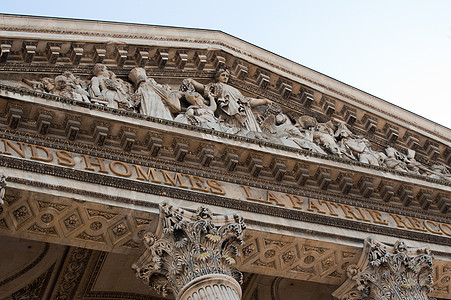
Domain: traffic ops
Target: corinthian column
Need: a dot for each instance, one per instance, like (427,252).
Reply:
(191,255)
(388,272)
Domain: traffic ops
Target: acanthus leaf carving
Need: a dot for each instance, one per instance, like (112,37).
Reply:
(187,246)
(385,273)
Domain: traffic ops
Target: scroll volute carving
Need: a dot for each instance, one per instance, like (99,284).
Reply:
(187,246)
(385,273)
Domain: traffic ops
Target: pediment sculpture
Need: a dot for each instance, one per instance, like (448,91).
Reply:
(3,178)
(221,107)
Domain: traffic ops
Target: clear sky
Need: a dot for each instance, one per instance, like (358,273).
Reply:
(397,50)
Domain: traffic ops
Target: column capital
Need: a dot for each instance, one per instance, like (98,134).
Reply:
(187,246)
(388,272)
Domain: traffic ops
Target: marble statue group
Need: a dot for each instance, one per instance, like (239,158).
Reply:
(221,107)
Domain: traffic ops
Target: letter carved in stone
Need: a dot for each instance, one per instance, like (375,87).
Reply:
(385,273)
(190,249)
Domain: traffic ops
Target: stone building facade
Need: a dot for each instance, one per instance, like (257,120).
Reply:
(151,162)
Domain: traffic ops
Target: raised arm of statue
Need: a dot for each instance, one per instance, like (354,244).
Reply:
(199,87)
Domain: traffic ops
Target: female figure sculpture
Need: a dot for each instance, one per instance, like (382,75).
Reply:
(234,108)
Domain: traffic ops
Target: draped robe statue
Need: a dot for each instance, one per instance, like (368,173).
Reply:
(156,100)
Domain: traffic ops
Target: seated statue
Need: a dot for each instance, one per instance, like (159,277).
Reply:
(106,89)
(155,99)
(199,113)
(284,129)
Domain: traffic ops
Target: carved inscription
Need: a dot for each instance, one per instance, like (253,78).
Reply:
(156,176)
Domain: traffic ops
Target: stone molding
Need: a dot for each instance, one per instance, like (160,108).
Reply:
(187,246)
(216,170)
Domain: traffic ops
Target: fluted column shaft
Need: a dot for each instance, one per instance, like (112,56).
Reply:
(211,287)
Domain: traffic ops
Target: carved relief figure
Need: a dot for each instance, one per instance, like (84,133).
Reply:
(79,86)
(357,148)
(199,113)
(3,178)
(439,171)
(155,99)
(234,107)
(323,135)
(65,87)
(286,130)
(365,153)
(411,162)
(48,84)
(107,89)
(394,160)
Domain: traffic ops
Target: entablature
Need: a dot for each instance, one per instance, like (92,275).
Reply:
(131,138)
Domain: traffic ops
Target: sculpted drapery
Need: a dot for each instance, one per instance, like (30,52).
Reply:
(234,108)
(222,107)
(155,99)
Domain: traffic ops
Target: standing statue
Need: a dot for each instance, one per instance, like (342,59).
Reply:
(106,89)
(234,108)
(155,99)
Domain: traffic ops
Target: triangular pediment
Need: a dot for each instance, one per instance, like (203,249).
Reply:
(100,117)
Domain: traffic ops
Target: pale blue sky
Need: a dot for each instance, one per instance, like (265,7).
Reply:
(397,50)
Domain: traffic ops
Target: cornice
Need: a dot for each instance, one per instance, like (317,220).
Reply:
(225,141)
